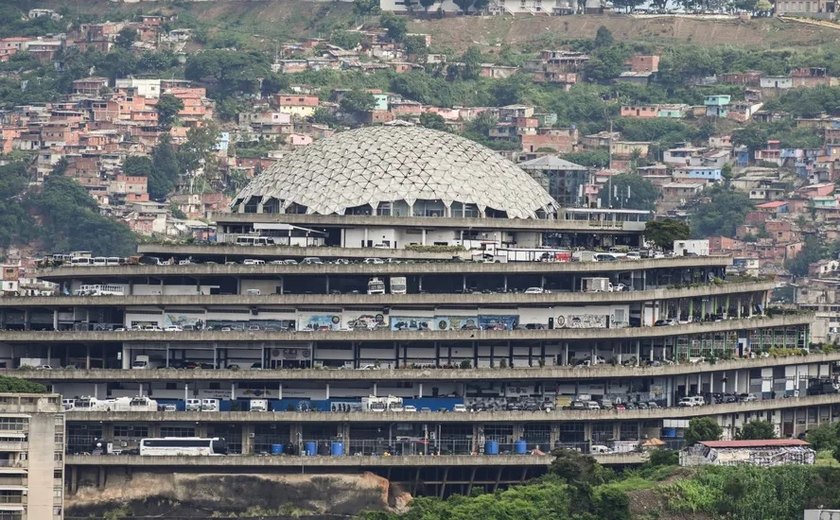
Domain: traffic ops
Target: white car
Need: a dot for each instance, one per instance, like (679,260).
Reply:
(367,367)
(460,408)
(173,328)
(253,261)
(535,290)
(409,408)
(376,261)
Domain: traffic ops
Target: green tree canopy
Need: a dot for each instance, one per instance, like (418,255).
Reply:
(125,38)
(757,430)
(366,7)
(166,169)
(702,429)
(396,26)
(16,224)
(663,232)
(719,212)
(346,39)
(357,102)
(433,121)
(71,221)
(16,385)
(629,191)
(167,108)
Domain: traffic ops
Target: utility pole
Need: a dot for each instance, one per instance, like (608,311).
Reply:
(609,166)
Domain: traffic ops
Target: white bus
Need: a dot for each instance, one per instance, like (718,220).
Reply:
(81,261)
(100,290)
(254,241)
(182,447)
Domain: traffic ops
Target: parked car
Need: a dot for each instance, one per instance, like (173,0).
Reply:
(535,290)
(461,408)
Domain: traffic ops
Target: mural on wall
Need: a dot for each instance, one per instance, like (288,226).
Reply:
(498,322)
(366,321)
(248,325)
(320,322)
(411,322)
(455,323)
(582,321)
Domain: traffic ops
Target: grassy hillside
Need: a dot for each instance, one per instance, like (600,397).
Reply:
(273,20)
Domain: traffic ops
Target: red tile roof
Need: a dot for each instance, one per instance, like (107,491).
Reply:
(765,443)
(772,204)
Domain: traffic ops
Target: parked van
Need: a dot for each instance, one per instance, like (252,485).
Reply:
(600,448)
(193,405)
(258,405)
(209,405)
(593,405)
(694,400)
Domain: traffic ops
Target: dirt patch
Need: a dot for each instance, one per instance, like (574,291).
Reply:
(198,495)
(461,32)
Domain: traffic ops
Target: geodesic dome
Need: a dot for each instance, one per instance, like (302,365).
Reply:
(396,171)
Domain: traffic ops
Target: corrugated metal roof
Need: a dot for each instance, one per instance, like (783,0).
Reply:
(763,443)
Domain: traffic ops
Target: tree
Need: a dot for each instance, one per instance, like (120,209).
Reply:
(664,231)
(70,220)
(395,25)
(629,191)
(432,120)
(603,38)
(366,7)
(346,39)
(416,46)
(357,102)
(427,4)
(16,385)
(590,158)
(464,5)
(757,430)
(702,429)
(663,457)
(719,213)
(138,165)
(471,60)
(125,38)
(165,170)
(167,108)
(577,468)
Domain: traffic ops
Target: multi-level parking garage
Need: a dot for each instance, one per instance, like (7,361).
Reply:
(413,333)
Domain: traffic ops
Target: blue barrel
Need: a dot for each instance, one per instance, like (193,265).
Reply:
(520,447)
(491,448)
(310,448)
(277,449)
(669,433)
(337,449)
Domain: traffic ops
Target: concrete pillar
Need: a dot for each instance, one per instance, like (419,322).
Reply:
(55,319)
(327,391)
(587,432)
(518,431)
(420,390)
(247,438)
(296,436)
(554,435)
(423,237)
(201,430)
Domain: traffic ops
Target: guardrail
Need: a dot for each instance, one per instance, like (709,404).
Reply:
(755,322)
(343,461)
(453,417)
(418,374)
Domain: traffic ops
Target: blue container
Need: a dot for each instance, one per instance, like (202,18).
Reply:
(520,447)
(310,448)
(491,448)
(337,449)
(669,433)
(277,449)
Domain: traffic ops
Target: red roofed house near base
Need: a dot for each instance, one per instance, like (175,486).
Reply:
(767,452)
